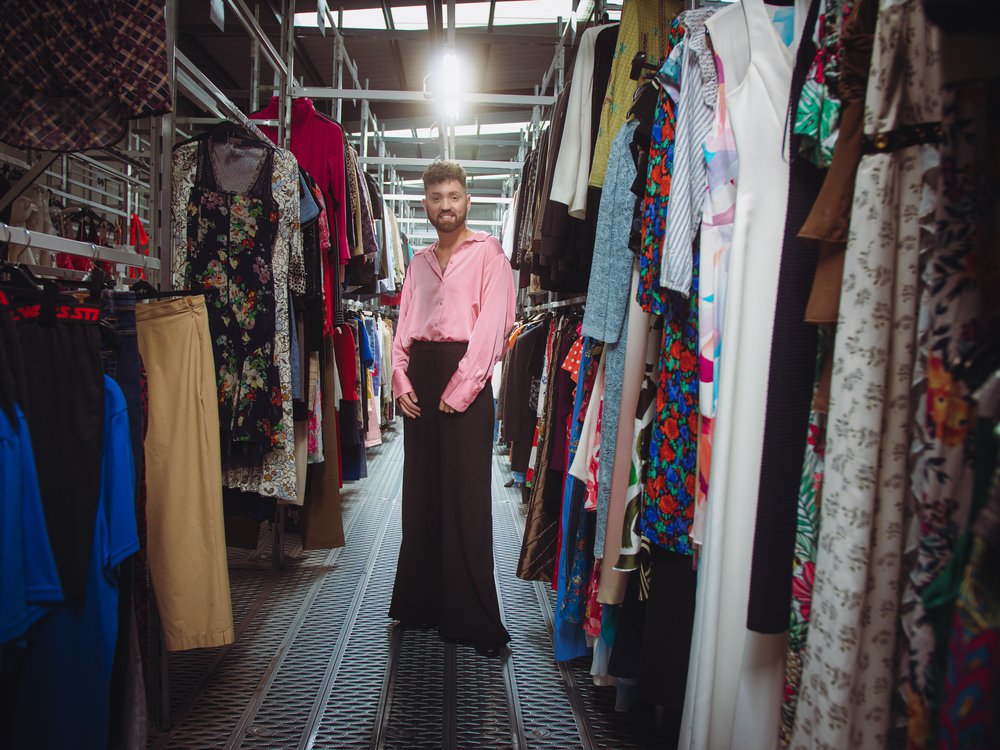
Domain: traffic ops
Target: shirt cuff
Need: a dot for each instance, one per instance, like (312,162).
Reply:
(401,384)
(460,393)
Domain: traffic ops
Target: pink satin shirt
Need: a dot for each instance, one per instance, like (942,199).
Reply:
(473,300)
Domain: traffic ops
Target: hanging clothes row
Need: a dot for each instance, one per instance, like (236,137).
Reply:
(247,386)
(737,486)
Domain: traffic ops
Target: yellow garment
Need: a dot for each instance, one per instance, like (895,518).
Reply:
(644,27)
(186,542)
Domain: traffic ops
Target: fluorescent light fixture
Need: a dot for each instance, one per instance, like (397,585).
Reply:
(495,128)
(467,15)
(406,18)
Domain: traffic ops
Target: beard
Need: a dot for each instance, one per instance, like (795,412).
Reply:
(451,220)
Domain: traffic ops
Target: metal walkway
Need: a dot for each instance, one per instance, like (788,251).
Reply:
(317,663)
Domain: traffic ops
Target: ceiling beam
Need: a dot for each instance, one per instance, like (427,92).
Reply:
(435,20)
(397,55)
(192,46)
(301,56)
(486,59)
(521,36)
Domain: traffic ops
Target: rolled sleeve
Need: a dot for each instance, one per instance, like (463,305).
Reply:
(489,335)
(401,384)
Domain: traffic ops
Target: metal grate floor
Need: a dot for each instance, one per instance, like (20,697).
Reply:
(317,663)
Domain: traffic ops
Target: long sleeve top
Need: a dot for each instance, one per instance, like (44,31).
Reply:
(473,300)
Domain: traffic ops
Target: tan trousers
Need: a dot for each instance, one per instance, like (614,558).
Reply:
(186,536)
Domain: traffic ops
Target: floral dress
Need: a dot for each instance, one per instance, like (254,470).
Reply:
(230,237)
(654,206)
(668,498)
(274,474)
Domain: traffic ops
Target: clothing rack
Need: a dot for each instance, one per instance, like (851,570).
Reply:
(572,302)
(51,242)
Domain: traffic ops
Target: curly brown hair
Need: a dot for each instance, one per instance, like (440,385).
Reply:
(443,171)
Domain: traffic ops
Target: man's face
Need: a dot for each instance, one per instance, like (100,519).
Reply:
(447,205)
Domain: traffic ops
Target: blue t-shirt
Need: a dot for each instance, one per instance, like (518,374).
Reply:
(365,345)
(64,695)
(375,343)
(29,581)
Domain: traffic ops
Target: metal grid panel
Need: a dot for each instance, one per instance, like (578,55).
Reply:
(285,707)
(348,718)
(212,718)
(482,716)
(418,699)
(547,715)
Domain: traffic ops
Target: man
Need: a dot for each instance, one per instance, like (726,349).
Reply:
(456,310)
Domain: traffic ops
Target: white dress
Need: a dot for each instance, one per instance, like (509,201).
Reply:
(734,683)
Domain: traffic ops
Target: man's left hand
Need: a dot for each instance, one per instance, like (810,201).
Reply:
(445,408)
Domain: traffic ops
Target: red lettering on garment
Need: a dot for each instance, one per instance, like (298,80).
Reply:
(63,312)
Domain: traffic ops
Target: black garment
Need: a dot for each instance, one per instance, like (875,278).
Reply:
(127,719)
(604,57)
(789,388)
(666,635)
(61,347)
(375,194)
(12,378)
(242,326)
(527,359)
(445,571)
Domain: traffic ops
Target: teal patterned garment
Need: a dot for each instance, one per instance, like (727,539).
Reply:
(818,117)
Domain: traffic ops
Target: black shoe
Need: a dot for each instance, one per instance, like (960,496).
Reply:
(490,650)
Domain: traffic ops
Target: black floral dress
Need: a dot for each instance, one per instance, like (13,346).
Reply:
(231,230)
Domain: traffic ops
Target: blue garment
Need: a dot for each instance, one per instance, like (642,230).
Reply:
(365,345)
(64,686)
(606,316)
(308,207)
(29,581)
(569,639)
(371,328)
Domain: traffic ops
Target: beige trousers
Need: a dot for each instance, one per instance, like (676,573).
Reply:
(185,532)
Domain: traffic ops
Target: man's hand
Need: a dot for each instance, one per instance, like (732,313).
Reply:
(445,408)
(408,405)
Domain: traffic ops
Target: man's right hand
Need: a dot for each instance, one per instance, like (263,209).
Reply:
(408,405)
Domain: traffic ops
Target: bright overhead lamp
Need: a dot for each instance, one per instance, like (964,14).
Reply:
(447,83)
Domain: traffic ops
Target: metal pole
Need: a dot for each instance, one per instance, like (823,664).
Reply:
(340,64)
(451,24)
(287,81)
(255,64)
(382,154)
(560,58)
(365,113)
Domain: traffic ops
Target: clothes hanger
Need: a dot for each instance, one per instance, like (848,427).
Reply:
(19,276)
(639,65)
(225,131)
(143,290)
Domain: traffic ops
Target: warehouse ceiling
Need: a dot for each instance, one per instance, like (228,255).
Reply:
(396,45)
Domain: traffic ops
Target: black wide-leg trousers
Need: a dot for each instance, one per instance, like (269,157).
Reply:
(445,571)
